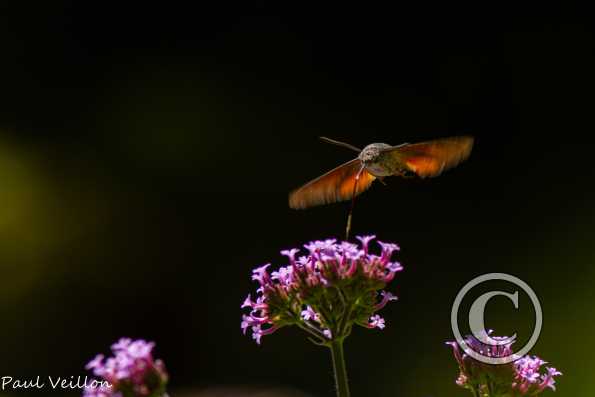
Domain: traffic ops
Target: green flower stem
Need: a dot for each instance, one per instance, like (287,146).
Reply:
(320,338)
(339,368)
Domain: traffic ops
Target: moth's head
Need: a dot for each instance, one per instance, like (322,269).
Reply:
(372,152)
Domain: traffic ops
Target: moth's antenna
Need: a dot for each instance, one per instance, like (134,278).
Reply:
(343,144)
(348,228)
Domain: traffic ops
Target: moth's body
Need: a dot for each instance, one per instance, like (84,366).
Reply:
(377,161)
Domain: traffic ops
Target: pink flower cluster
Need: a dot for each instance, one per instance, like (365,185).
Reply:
(522,377)
(131,371)
(529,379)
(324,292)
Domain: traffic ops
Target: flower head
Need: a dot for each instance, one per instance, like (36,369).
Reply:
(526,376)
(334,286)
(131,371)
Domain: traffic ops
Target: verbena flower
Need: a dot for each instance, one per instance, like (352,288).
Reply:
(526,376)
(325,292)
(130,372)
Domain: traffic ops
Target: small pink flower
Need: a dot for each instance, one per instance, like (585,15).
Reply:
(309,314)
(376,322)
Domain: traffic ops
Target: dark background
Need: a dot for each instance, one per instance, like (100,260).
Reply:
(146,153)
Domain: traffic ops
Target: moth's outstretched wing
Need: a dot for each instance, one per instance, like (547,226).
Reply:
(336,185)
(429,159)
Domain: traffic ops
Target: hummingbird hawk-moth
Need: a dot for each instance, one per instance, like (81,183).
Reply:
(377,161)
